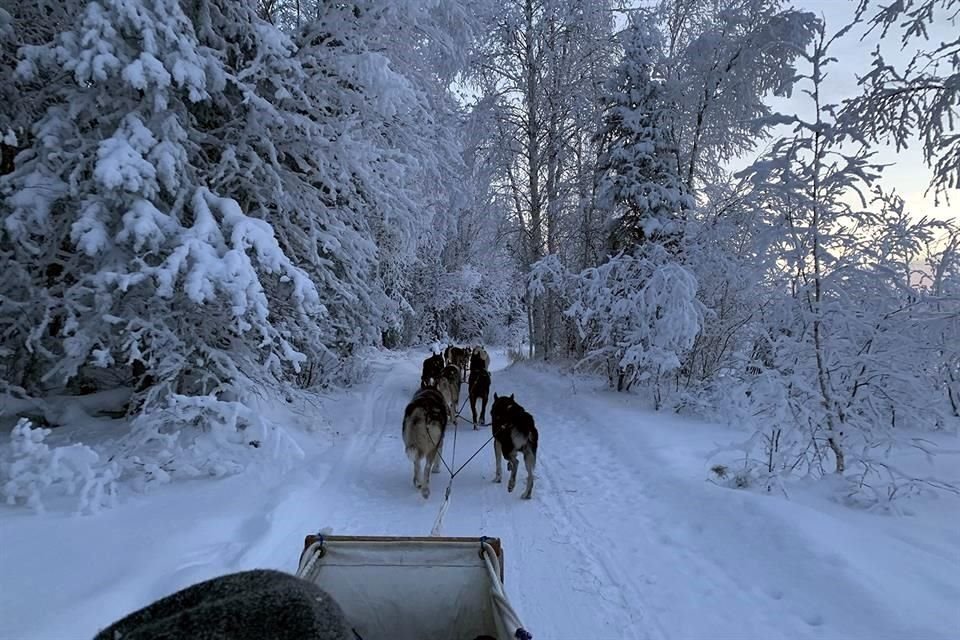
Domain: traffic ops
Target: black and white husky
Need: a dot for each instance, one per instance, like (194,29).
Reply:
(432,367)
(424,425)
(478,388)
(513,432)
(481,353)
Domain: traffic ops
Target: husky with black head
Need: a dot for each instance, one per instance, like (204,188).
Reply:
(480,352)
(432,367)
(513,432)
(478,388)
(424,425)
(459,357)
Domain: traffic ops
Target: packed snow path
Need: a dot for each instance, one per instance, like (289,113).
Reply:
(623,537)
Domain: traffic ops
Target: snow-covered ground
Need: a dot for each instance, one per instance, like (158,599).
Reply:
(624,537)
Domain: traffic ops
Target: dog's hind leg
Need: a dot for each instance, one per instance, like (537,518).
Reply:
(436,460)
(473,410)
(512,464)
(530,462)
(416,472)
(483,409)
(425,489)
(414,456)
(498,456)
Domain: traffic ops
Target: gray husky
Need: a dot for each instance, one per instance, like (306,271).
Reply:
(460,357)
(449,385)
(513,431)
(424,424)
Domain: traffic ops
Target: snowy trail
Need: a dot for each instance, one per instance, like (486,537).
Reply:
(543,537)
(695,560)
(623,538)
(640,551)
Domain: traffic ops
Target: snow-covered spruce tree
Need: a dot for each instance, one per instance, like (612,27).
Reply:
(638,185)
(637,314)
(379,77)
(138,224)
(718,63)
(21,104)
(844,350)
(637,311)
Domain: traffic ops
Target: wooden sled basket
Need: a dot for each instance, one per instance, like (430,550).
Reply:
(414,588)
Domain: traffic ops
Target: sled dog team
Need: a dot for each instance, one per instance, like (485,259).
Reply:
(435,404)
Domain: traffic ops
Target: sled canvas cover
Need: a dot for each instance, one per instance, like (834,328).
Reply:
(411,588)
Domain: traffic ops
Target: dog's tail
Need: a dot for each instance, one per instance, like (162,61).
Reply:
(412,453)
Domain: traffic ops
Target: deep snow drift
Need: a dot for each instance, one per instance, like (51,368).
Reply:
(624,537)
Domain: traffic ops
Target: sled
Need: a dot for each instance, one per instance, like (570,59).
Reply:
(412,588)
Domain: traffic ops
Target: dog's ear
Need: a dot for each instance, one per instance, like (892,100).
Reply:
(495,396)
(511,396)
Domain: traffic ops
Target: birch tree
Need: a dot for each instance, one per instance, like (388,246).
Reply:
(844,357)
(917,99)
(541,60)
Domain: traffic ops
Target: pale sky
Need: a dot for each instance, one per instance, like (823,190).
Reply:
(909,174)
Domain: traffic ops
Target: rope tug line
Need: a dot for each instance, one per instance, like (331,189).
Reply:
(445,505)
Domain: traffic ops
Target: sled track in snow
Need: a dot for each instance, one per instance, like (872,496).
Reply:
(354,461)
(611,584)
(564,529)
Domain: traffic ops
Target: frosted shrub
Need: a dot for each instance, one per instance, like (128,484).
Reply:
(851,344)
(225,438)
(31,470)
(636,315)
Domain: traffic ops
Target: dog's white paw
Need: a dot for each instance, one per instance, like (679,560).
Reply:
(425,492)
